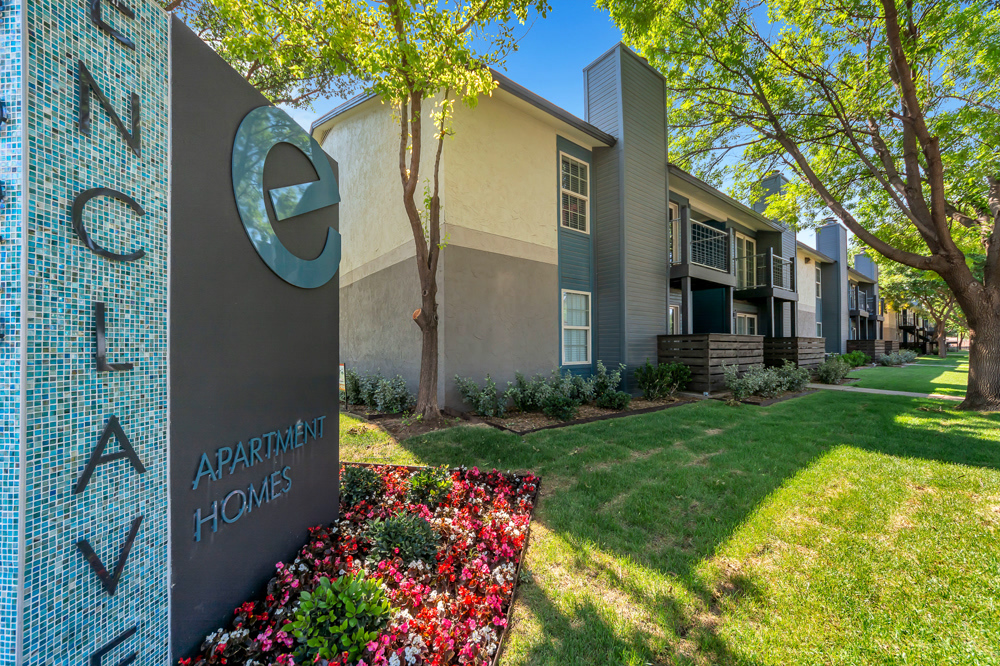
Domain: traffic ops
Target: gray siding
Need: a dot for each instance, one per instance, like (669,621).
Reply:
(644,110)
(603,111)
(627,99)
(831,240)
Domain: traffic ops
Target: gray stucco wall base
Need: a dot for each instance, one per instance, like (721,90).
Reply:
(376,323)
(501,316)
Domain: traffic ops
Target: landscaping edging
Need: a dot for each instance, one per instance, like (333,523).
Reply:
(769,401)
(589,419)
(509,610)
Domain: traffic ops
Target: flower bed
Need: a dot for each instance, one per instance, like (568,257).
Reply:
(452,610)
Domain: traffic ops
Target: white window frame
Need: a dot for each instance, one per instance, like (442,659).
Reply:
(675,319)
(674,223)
(749,272)
(586,217)
(747,316)
(819,329)
(564,327)
(819,284)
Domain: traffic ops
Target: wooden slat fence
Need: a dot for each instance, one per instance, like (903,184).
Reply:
(803,352)
(706,354)
(874,348)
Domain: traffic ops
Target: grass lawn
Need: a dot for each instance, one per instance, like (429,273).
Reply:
(831,529)
(928,375)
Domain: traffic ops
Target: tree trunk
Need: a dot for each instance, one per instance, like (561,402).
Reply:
(961,340)
(983,393)
(942,338)
(427,319)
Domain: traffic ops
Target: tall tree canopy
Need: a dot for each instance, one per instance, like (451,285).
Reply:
(884,112)
(410,53)
(925,292)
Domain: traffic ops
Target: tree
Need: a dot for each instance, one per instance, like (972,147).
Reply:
(419,56)
(273,44)
(922,291)
(885,113)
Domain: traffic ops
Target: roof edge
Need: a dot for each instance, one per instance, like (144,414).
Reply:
(708,189)
(822,257)
(504,83)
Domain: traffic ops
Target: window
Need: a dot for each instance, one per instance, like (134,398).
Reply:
(675,233)
(576,327)
(819,329)
(675,320)
(575,197)
(819,285)
(746,262)
(746,324)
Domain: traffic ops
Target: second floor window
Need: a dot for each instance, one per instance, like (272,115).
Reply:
(674,212)
(819,284)
(575,197)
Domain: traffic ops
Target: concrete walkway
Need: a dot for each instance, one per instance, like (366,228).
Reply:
(905,394)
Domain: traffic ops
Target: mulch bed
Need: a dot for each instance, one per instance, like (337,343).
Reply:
(522,423)
(758,401)
(454,611)
(519,423)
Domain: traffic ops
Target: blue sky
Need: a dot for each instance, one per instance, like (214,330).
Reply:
(551,57)
(550,61)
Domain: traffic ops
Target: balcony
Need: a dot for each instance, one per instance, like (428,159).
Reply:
(765,274)
(709,247)
(859,304)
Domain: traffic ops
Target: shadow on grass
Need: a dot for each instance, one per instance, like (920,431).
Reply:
(658,494)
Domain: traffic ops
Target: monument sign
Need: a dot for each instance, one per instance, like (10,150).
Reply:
(169,318)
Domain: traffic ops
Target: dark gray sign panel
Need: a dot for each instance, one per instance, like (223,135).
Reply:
(253,358)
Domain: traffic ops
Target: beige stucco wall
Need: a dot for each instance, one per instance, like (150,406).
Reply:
(373,224)
(805,281)
(502,176)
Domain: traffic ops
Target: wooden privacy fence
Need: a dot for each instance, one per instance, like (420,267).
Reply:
(874,348)
(803,352)
(706,354)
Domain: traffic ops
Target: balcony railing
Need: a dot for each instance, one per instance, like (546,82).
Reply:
(752,271)
(709,247)
(782,273)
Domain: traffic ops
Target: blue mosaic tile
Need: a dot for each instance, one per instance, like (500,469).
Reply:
(11,174)
(66,614)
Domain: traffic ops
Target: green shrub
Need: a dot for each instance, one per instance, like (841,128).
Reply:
(832,370)
(407,536)
(560,406)
(485,401)
(576,388)
(582,389)
(662,380)
(392,396)
(389,396)
(367,385)
(341,616)
(352,384)
(856,359)
(793,378)
(527,395)
(908,355)
(891,359)
(360,484)
(606,382)
(756,380)
(429,486)
(615,400)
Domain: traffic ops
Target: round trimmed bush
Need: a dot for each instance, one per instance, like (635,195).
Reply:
(360,484)
(429,486)
(407,536)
